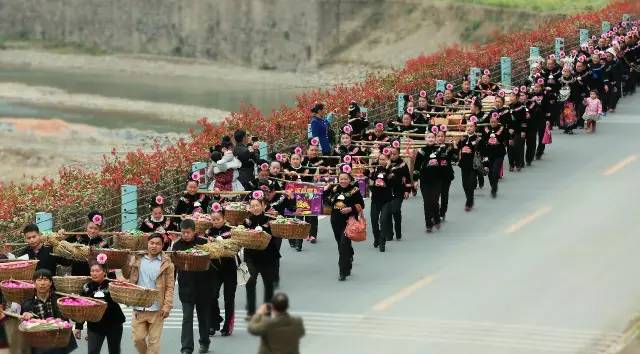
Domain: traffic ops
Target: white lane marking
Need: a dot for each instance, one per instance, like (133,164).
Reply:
(528,219)
(620,165)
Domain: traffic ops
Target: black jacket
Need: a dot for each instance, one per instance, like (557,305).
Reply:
(113,316)
(82,268)
(473,142)
(427,166)
(401,178)
(45,259)
(188,203)
(271,254)
(193,287)
(380,180)
(248,160)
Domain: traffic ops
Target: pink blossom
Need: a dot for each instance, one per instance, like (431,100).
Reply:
(101,258)
(346,169)
(97,219)
(216,207)
(257,194)
(347,158)
(315,141)
(159,200)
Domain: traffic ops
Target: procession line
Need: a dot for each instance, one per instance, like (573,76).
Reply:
(620,165)
(528,219)
(402,294)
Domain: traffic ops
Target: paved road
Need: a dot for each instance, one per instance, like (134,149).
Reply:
(548,267)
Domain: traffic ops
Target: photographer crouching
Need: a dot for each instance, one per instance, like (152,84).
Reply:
(279,332)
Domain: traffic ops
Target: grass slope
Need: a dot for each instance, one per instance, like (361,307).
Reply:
(544,5)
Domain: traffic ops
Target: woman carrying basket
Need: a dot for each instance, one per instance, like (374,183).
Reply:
(345,201)
(110,325)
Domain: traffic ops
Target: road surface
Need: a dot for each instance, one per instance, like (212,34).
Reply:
(550,266)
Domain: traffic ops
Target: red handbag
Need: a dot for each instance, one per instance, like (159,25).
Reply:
(356,229)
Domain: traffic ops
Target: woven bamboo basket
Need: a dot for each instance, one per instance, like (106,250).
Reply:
(58,338)
(202,226)
(70,284)
(132,295)
(291,231)
(116,259)
(74,251)
(17,295)
(86,313)
(130,242)
(251,239)
(20,270)
(235,217)
(190,262)
(221,249)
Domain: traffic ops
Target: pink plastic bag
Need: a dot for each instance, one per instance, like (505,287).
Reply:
(547,138)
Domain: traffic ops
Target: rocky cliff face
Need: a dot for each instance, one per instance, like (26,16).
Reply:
(269,34)
(283,34)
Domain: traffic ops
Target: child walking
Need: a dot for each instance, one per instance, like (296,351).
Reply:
(593,111)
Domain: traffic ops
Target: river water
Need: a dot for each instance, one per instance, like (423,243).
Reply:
(226,95)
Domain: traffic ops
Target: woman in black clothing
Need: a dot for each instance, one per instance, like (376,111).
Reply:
(537,112)
(314,165)
(110,325)
(157,222)
(357,120)
(192,201)
(225,273)
(381,197)
(263,262)
(493,151)
(345,200)
(92,238)
(45,305)
(485,86)
(428,174)
(293,172)
(469,145)
(401,186)
(346,146)
(446,155)
(516,127)
(406,125)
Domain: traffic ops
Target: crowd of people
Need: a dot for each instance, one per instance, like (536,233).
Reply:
(472,127)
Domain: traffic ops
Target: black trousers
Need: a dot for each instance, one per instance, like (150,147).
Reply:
(345,249)
(268,273)
(278,243)
(430,195)
(530,142)
(468,175)
(480,180)
(580,108)
(202,311)
(381,221)
(541,127)
(613,96)
(313,220)
(495,164)
(444,196)
(227,277)
(96,339)
(396,213)
(516,151)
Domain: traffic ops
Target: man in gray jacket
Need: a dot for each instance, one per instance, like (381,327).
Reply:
(279,332)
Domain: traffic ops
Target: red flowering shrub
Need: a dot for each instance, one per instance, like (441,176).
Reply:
(162,170)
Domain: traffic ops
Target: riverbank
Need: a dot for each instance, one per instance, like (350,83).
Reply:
(32,148)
